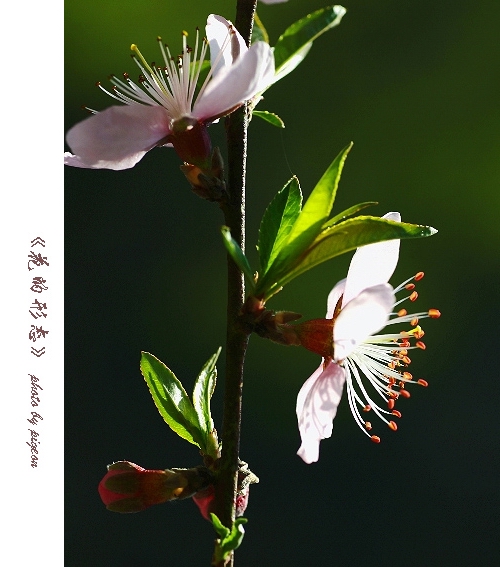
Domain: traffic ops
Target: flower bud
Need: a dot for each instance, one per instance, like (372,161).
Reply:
(128,487)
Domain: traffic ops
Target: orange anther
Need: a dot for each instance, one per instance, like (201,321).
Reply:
(404,393)
(414,322)
(423,382)
(419,333)
(407,376)
(410,286)
(375,439)
(368,425)
(419,276)
(390,403)
(367,408)
(402,312)
(405,343)
(392,364)
(406,359)
(403,352)
(420,344)
(393,395)
(392,381)
(413,296)
(393,425)
(396,413)
(434,313)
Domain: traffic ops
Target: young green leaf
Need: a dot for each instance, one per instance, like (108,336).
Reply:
(202,393)
(237,255)
(278,221)
(351,234)
(229,539)
(348,213)
(171,399)
(308,225)
(270,117)
(294,44)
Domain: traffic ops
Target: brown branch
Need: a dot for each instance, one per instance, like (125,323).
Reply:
(237,337)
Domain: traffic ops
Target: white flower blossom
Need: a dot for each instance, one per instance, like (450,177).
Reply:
(165,103)
(360,306)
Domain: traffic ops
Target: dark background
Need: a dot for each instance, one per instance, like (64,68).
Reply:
(416,85)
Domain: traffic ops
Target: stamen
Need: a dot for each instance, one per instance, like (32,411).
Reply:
(393,425)
(402,312)
(396,413)
(434,313)
(421,345)
(422,382)
(368,426)
(419,276)
(410,286)
(375,439)
(390,403)
(413,296)
(404,393)
(367,408)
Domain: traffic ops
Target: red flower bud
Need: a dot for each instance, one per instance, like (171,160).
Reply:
(128,487)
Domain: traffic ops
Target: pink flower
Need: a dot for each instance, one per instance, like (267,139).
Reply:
(164,109)
(358,307)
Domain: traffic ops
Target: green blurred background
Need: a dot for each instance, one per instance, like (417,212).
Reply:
(416,86)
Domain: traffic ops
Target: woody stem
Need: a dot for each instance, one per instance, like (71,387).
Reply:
(236,337)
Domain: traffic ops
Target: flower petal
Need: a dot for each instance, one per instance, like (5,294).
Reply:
(333,298)
(372,264)
(316,408)
(118,137)
(252,72)
(364,315)
(226,43)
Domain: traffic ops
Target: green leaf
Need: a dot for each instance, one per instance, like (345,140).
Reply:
(259,32)
(294,44)
(237,255)
(270,117)
(171,399)
(278,221)
(308,225)
(351,234)
(348,213)
(202,393)
(229,539)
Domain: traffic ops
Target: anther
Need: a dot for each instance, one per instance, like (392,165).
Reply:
(421,345)
(396,413)
(390,404)
(402,312)
(413,296)
(434,313)
(393,425)
(423,382)
(367,408)
(404,393)
(419,276)
(375,439)
(414,322)
(406,359)
(407,376)
(368,426)
(410,286)
(419,333)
